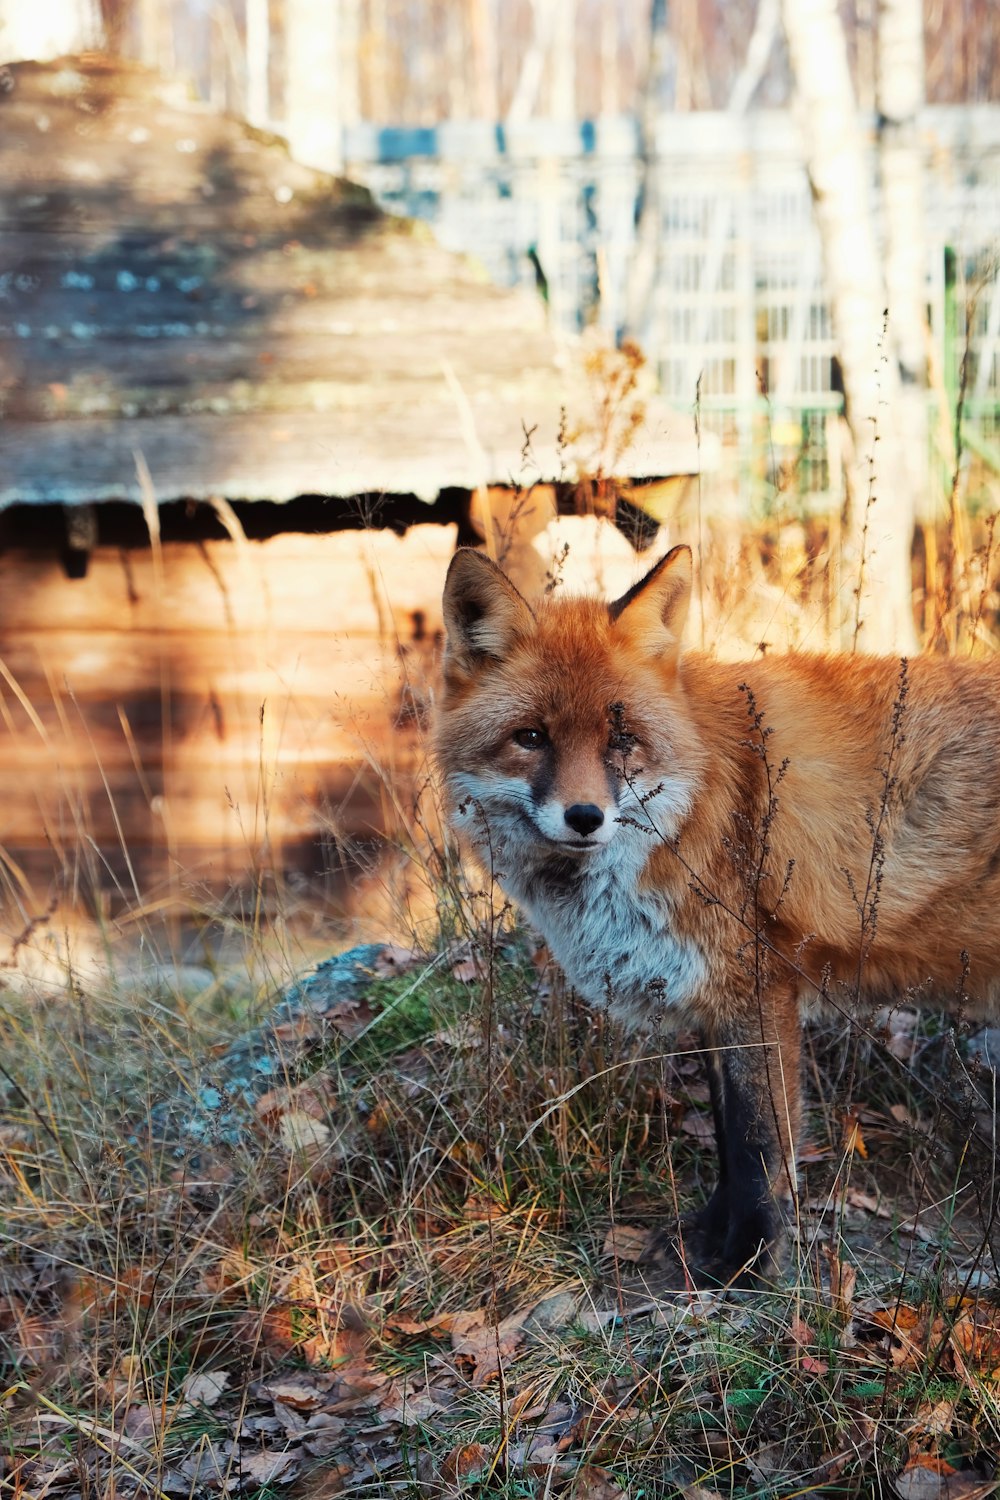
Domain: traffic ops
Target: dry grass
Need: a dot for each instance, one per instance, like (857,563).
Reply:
(433,1257)
(398,1269)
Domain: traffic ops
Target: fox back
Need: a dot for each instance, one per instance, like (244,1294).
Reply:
(724,841)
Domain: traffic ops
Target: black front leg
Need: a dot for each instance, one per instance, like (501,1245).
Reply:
(711,1223)
(753,1075)
(751,1148)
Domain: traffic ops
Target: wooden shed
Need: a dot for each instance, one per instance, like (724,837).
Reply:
(244,419)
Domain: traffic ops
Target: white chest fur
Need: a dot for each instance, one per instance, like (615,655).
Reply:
(613,940)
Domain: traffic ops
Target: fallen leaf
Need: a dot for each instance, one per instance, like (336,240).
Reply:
(270,1107)
(210,1467)
(851,1140)
(401,1403)
(595,1483)
(301,1392)
(843,1280)
(350,1017)
(463,1036)
(800,1333)
(298,1131)
(932,1420)
(260,1468)
(142,1422)
(467,1461)
(441,1323)
(625,1242)
(698,1126)
(768,1463)
(976,1339)
(204,1389)
(486,1345)
(395,959)
(13,1141)
(323,1434)
(927,1478)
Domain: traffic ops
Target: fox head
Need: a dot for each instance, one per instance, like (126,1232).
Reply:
(556,722)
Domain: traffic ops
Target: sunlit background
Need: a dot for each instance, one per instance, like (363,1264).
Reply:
(749,253)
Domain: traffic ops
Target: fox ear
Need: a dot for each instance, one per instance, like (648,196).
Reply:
(655,609)
(483,611)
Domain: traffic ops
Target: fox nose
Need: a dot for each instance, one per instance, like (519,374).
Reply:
(584,817)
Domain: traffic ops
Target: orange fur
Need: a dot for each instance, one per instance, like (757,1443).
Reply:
(727,841)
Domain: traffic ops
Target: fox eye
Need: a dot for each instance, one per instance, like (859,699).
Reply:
(530,739)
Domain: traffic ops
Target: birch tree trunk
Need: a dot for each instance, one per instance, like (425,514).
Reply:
(878,530)
(900,94)
(645,266)
(563,61)
(46,30)
(525,99)
(258,40)
(313,83)
(484,61)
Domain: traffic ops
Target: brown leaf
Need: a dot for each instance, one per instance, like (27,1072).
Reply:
(851,1140)
(209,1467)
(350,1017)
(323,1434)
(395,959)
(625,1242)
(698,1126)
(800,1333)
(843,1280)
(14,1141)
(486,1345)
(262,1467)
(305,1099)
(441,1323)
(917,1482)
(595,1483)
(467,1461)
(333,1345)
(908,1333)
(232,1274)
(301,1392)
(142,1422)
(927,1478)
(871,1205)
(463,1036)
(356,1385)
(302,1028)
(932,1420)
(204,1389)
(401,1403)
(902,1116)
(34,1339)
(976,1338)
(299,1131)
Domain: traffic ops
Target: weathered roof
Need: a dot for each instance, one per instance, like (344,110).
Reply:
(171,283)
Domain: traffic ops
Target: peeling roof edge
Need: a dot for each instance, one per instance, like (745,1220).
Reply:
(76,463)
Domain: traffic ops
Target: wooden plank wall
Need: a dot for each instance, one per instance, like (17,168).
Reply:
(194,713)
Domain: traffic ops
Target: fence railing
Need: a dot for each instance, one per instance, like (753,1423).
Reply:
(737,304)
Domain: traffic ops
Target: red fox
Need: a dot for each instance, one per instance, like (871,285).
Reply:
(724,842)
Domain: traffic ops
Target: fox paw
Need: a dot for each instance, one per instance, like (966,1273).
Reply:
(696,1255)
